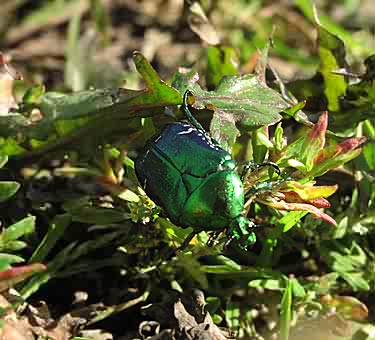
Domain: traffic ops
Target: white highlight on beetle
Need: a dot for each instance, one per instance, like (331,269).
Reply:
(190,130)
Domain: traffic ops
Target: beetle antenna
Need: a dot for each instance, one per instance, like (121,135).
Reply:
(193,121)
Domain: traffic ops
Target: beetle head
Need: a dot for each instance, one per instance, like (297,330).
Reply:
(239,230)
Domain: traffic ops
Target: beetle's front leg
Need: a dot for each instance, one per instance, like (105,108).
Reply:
(240,230)
(229,240)
(261,188)
(213,241)
(251,166)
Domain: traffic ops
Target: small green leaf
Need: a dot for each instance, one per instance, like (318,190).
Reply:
(8,189)
(97,215)
(13,246)
(7,259)
(13,123)
(260,145)
(298,290)
(291,219)
(56,230)
(332,58)
(19,229)
(3,160)
(336,155)
(192,267)
(279,140)
(10,146)
(158,92)
(356,280)
(172,231)
(270,284)
(33,95)
(223,265)
(233,315)
(314,141)
(286,311)
(369,154)
(221,61)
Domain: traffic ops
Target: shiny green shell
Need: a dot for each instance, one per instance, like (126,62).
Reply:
(192,178)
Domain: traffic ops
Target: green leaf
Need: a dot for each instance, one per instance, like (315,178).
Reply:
(158,92)
(10,146)
(53,266)
(289,220)
(356,280)
(88,118)
(55,231)
(238,101)
(286,310)
(233,315)
(13,246)
(333,156)
(270,284)
(172,231)
(18,229)
(260,144)
(221,61)
(7,259)
(223,265)
(298,290)
(314,141)
(297,114)
(369,154)
(358,103)
(13,123)
(8,189)
(332,58)
(97,215)
(192,268)
(33,95)
(350,263)
(3,160)
(306,7)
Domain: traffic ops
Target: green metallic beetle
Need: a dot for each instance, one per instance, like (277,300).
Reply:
(194,180)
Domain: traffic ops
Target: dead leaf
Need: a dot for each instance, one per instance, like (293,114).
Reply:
(200,25)
(7,76)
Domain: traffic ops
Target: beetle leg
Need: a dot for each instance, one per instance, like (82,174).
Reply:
(213,241)
(264,187)
(229,240)
(274,165)
(251,166)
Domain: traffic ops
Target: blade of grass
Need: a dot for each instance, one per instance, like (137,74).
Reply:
(286,311)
